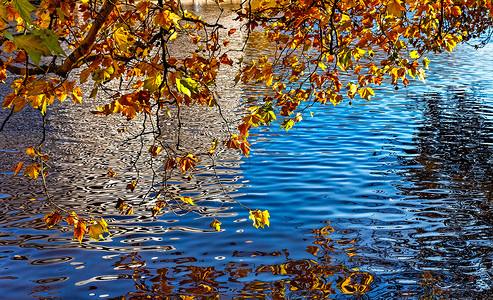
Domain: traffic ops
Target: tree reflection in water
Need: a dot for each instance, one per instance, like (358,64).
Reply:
(317,278)
(449,183)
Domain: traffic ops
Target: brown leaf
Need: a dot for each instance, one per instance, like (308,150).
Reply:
(52,219)
(131,186)
(79,230)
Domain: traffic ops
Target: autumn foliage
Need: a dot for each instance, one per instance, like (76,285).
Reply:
(327,52)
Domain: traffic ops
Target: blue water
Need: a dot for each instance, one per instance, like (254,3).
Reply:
(387,199)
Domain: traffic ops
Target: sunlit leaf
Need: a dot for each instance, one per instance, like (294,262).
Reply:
(260,218)
(79,230)
(24,8)
(157,208)
(213,147)
(17,168)
(216,225)
(96,232)
(52,219)
(32,171)
(31,151)
(187,199)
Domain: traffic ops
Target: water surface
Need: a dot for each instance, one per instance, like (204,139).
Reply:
(387,199)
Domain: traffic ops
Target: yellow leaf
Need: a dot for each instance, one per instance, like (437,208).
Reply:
(104,225)
(122,39)
(366,93)
(216,225)
(32,171)
(213,147)
(260,219)
(96,232)
(414,54)
(77,95)
(111,173)
(187,199)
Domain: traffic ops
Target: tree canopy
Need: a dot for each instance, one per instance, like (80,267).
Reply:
(327,52)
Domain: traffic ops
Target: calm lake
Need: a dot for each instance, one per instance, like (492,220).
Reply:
(387,199)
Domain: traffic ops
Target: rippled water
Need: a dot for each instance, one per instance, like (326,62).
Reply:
(387,199)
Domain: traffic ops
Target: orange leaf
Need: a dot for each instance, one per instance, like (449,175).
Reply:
(80,230)
(30,151)
(73,219)
(231,31)
(131,186)
(121,205)
(17,168)
(9,46)
(52,219)
(111,173)
(32,171)
(187,162)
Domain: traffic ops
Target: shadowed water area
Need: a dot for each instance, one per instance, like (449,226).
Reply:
(381,200)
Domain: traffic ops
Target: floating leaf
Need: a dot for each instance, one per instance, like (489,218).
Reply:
(111,173)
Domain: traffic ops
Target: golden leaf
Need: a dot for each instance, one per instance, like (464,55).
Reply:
(96,232)
(260,218)
(17,168)
(72,219)
(216,225)
(213,147)
(52,219)
(79,230)
(31,151)
(187,199)
(32,171)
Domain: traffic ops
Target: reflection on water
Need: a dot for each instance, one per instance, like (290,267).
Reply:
(388,199)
